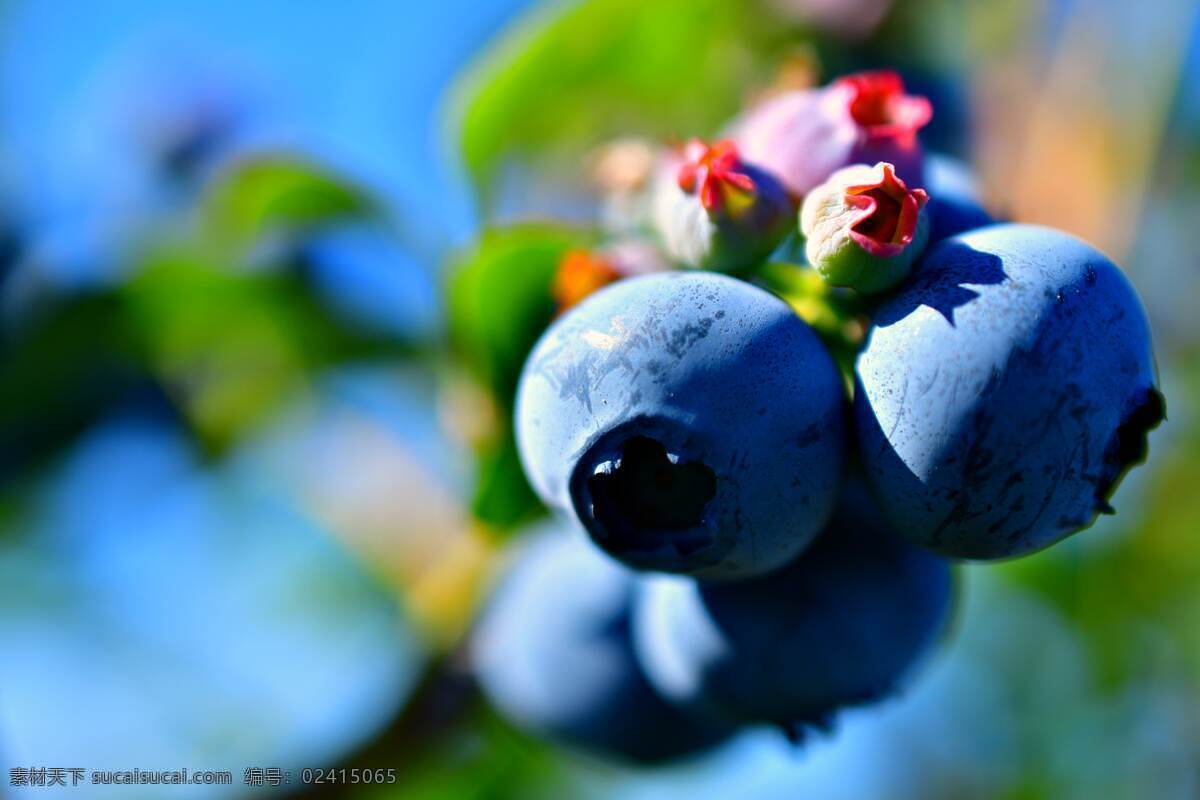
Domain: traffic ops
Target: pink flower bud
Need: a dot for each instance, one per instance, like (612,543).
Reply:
(802,137)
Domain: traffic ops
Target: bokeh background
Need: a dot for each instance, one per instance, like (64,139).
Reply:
(259,327)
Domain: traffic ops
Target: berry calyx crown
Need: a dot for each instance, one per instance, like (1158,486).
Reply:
(878,103)
(888,210)
(715,171)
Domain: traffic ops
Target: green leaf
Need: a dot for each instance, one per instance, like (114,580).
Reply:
(59,372)
(267,194)
(500,301)
(503,497)
(233,344)
(499,304)
(608,68)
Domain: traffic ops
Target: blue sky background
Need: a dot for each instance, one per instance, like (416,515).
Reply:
(358,84)
(158,610)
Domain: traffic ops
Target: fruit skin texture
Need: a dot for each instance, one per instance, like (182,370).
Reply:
(955,205)
(840,626)
(554,653)
(1002,393)
(692,422)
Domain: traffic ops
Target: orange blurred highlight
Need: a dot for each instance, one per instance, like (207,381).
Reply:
(580,273)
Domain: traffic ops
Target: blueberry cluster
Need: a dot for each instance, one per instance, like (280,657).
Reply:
(837,375)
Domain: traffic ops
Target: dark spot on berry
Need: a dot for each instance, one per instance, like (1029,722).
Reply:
(809,436)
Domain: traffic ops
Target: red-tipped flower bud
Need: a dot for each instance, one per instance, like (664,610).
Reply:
(715,211)
(804,136)
(864,227)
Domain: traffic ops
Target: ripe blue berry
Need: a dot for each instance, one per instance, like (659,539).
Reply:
(1004,392)
(841,625)
(691,421)
(554,653)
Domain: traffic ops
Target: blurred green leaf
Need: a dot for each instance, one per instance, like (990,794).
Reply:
(70,364)
(499,303)
(607,68)
(232,344)
(225,345)
(274,193)
(503,497)
(499,300)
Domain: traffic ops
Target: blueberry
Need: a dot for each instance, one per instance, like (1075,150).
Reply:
(1004,391)
(840,626)
(692,422)
(955,205)
(554,653)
